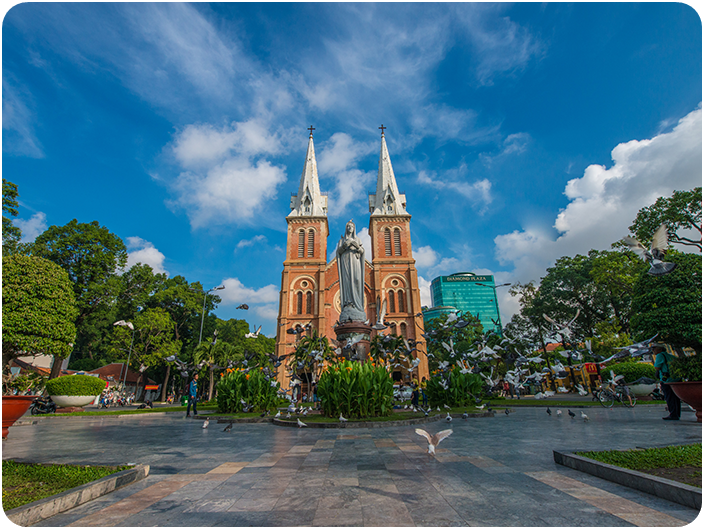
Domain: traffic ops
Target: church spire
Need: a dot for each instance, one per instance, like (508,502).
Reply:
(387,200)
(309,202)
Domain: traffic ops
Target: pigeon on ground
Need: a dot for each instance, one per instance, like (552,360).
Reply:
(449,417)
(438,408)
(569,412)
(278,414)
(446,407)
(342,419)
(549,412)
(507,411)
(301,424)
(656,254)
(228,428)
(559,413)
(465,415)
(584,416)
(288,415)
(206,422)
(433,440)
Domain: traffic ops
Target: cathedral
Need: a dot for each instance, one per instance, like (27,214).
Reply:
(310,290)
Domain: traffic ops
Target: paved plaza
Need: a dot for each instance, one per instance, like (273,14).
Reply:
(491,472)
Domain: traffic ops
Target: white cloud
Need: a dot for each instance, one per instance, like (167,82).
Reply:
(251,242)
(18,123)
(33,227)
(424,287)
(478,192)
(425,256)
(267,314)
(141,251)
(605,201)
(236,293)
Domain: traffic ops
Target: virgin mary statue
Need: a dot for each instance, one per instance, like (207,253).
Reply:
(350,266)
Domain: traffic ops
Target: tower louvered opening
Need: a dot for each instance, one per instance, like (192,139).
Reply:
(301,243)
(311,242)
(397,242)
(387,241)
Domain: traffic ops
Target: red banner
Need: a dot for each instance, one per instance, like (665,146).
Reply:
(151,387)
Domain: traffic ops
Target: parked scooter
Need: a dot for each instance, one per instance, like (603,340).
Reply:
(42,405)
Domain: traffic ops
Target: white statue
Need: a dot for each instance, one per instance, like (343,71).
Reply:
(350,267)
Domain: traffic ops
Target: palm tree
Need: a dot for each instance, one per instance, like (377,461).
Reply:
(215,355)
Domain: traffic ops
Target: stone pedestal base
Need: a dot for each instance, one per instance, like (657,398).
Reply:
(70,409)
(353,329)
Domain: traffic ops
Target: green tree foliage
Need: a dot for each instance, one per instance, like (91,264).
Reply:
(683,210)
(460,391)
(438,331)
(11,234)
(632,371)
(92,256)
(671,305)
(39,308)
(215,353)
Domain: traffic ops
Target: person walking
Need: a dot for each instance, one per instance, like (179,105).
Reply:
(662,371)
(192,396)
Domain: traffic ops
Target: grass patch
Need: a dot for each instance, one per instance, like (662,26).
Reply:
(659,461)
(129,412)
(24,483)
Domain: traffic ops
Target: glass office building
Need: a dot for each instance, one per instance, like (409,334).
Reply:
(466,292)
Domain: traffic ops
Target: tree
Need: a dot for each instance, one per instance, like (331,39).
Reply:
(39,309)
(153,338)
(683,210)
(92,256)
(215,354)
(11,234)
(671,305)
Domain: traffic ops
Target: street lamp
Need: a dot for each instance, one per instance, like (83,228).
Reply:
(123,323)
(496,299)
(202,318)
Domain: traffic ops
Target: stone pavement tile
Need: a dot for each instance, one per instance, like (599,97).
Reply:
(210,505)
(385,513)
(257,502)
(228,468)
(338,511)
(325,443)
(300,449)
(226,491)
(292,499)
(651,519)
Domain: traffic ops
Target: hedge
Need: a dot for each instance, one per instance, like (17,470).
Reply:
(72,385)
(631,371)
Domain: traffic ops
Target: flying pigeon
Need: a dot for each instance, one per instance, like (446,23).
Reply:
(656,254)
(244,306)
(434,440)
(206,422)
(301,424)
(254,334)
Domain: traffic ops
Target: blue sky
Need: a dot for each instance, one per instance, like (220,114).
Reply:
(519,132)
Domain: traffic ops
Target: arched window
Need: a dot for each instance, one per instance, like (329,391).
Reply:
(393,328)
(309,302)
(392,301)
(387,241)
(299,303)
(311,242)
(403,330)
(301,243)
(401,303)
(397,242)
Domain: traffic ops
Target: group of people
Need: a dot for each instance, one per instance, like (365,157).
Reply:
(110,397)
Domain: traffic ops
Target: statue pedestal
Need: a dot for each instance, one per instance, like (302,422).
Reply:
(353,329)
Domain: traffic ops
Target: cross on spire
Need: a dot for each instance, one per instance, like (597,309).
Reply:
(382,129)
(311,129)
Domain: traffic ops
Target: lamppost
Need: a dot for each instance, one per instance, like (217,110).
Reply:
(202,318)
(496,299)
(123,323)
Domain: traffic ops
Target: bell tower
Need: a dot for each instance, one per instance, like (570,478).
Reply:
(303,282)
(394,269)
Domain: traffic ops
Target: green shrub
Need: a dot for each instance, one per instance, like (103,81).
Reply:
(253,387)
(73,385)
(687,368)
(356,390)
(632,371)
(460,388)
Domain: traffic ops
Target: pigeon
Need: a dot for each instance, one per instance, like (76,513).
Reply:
(562,330)
(244,306)
(254,334)
(656,254)
(584,416)
(507,411)
(342,419)
(559,413)
(581,390)
(449,417)
(480,407)
(228,428)
(446,407)
(569,412)
(549,412)
(465,415)
(206,422)
(288,415)
(301,424)
(433,440)
(438,408)
(278,414)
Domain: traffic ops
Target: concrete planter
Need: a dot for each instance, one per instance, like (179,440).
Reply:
(72,401)
(690,393)
(13,407)
(642,390)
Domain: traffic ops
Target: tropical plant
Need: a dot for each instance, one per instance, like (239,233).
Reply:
(454,389)
(23,384)
(253,388)
(73,385)
(632,371)
(39,309)
(687,368)
(356,390)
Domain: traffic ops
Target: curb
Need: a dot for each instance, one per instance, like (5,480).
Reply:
(39,510)
(662,488)
(377,424)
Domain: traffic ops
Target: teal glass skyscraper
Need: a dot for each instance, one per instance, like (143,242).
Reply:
(468,292)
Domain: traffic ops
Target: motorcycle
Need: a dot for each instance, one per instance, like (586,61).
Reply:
(42,405)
